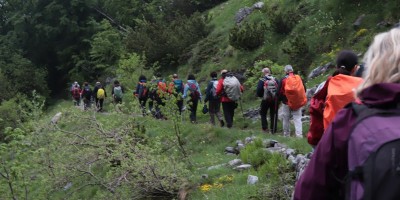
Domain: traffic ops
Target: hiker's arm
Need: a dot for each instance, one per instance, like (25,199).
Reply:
(260,88)
(185,89)
(208,89)
(198,90)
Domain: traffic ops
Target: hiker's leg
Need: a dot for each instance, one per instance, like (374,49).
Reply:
(218,111)
(263,115)
(229,108)
(195,103)
(212,111)
(285,120)
(272,117)
(180,105)
(192,110)
(297,122)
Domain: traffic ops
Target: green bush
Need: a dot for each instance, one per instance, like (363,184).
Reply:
(247,36)
(255,154)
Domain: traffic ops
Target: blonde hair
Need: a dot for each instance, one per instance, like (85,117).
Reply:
(382,60)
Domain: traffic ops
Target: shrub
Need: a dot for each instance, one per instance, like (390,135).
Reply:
(248,36)
(254,154)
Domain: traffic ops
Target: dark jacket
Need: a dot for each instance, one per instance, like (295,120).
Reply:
(260,85)
(209,96)
(329,161)
(138,86)
(281,89)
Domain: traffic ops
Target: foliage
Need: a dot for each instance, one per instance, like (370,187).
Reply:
(130,67)
(165,42)
(254,154)
(19,111)
(106,48)
(247,36)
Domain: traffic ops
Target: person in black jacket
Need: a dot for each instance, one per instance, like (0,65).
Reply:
(267,89)
(214,104)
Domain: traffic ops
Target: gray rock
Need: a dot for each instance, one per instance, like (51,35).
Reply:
(320,70)
(204,176)
(69,185)
(273,142)
(292,160)
(235,162)
(215,167)
(281,145)
(248,140)
(240,147)
(253,114)
(275,149)
(358,21)
(231,150)
(239,142)
(290,152)
(251,180)
(56,118)
(242,167)
(258,5)
(242,14)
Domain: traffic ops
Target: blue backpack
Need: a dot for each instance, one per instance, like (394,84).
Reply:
(374,154)
(178,85)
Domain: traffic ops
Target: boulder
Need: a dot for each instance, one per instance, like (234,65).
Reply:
(235,162)
(320,70)
(242,14)
(243,167)
(258,5)
(358,21)
(231,150)
(251,180)
(56,118)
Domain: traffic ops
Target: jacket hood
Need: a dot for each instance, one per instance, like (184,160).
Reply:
(383,94)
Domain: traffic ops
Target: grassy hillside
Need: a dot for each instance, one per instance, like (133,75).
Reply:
(119,154)
(305,34)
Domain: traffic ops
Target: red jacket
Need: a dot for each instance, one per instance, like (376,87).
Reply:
(317,115)
(220,91)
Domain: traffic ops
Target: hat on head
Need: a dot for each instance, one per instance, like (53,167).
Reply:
(224,71)
(288,68)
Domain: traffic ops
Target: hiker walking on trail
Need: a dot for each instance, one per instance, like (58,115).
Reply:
(117,92)
(358,155)
(214,100)
(176,88)
(100,94)
(192,89)
(230,90)
(267,89)
(158,94)
(142,93)
(76,94)
(332,95)
(292,93)
(86,95)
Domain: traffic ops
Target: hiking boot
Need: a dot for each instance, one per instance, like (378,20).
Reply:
(222,123)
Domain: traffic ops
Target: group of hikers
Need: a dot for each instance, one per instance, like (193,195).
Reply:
(355,114)
(226,91)
(96,95)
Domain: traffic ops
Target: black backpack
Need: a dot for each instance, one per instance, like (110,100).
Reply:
(87,92)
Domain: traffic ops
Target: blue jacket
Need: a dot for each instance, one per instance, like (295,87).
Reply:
(185,90)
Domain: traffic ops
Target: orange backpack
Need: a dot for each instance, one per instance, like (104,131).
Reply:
(294,92)
(340,93)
